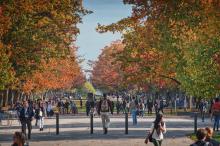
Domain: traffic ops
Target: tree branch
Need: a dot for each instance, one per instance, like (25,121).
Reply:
(175,80)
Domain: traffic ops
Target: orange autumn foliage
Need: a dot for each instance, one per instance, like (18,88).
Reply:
(55,74)
(106,70)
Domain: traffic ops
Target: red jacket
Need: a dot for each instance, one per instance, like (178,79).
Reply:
(216,106)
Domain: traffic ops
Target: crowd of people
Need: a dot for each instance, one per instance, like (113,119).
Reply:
(29,110)
(136,106)
(158,129)
(39,109)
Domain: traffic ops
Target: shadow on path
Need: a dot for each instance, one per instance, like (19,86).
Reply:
(85,135)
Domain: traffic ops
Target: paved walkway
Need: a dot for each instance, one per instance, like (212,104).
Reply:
(76,131)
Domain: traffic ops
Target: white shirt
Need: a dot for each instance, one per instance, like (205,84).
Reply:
(155,135)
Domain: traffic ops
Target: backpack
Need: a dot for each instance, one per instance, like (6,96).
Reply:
(132,105)
(104,106)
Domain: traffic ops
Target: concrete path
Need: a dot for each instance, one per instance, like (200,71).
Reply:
(75,130)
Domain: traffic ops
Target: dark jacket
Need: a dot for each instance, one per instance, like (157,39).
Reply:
(37,112)
(213,142)
(109,105)
(30,113)
(87,104)
(201,143)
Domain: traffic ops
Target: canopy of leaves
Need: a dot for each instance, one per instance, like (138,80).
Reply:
(184,37)
(37,42)
(106,74)
(89,87)
(54,74)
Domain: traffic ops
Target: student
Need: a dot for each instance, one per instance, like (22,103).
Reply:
(104,107)
(141,109)
(49,109)
(133,110)
(150,106)
(201,136)
(216,114)
(18,139)
(158,128)
(209,137)
(36,115)
(41,116)
(26,116)
(87,107)
(203,109)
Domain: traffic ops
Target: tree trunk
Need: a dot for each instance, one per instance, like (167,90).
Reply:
(22,93)
(7,96)
(19,96)
(32,96)
(12,96)
(2,98)
(190,103)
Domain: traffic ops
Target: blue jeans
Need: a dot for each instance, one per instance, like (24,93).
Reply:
(216,122)
(134,116)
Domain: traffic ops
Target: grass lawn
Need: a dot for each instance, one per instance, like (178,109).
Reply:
(216,136)
(83,109)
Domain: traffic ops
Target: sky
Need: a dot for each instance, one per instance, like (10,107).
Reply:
(105,12)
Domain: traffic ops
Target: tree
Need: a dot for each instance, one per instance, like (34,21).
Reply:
(55,74)
(36,34)
(106,71)
(89,87)
(183,34)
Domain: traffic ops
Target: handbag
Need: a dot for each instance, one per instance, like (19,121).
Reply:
(149,138)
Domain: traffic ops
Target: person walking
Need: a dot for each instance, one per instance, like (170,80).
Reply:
(156,106)
(36,113)
(113,107)
(161,106)
(118,105)
(81,102)
(66,106)
(145,103)
(133,110)
(59,106)
(49,109)
(203,109)
(87,107)
(141,110)
(73,107)
(104,107)
(216,114)
(26,116)
(41,116)
(124,105)
(150,106)
(158,128)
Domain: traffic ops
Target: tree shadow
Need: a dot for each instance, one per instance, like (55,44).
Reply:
(98,134)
